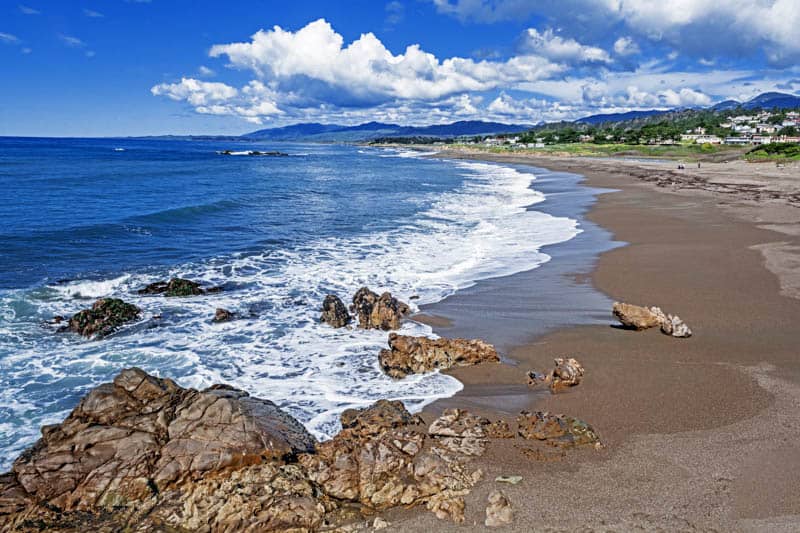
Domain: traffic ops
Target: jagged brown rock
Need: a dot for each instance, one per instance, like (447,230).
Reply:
(568,372)
(105,316)
(416,355)
(384,457)
(499,511)
(556,430)
(334,312)
(378,312)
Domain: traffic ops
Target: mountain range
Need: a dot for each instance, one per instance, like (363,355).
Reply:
(373,130)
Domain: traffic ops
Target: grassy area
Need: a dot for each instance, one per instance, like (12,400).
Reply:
(687,152)
(775,152)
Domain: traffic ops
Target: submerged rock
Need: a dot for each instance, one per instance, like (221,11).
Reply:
(639,318)
(378,312)
(417,355)
(176,287)
(567,373)
(223,315)
(557,430)
(104,317)
(334,312)
(499,511)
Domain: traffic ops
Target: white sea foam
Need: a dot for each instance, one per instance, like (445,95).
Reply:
(278,349)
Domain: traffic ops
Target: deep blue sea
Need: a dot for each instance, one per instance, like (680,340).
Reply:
(86,218)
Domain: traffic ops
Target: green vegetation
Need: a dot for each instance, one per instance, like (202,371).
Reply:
(687,152)
(777,152)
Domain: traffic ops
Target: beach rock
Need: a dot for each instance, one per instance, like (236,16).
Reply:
(175,287)
(384,457)
(673,325)
(567,373)
(104,317)
(557,430)
(139,436)
(223,315)
(499,429)
(637,317)
(498,512)
(417,355)
(378,312)
(334,312)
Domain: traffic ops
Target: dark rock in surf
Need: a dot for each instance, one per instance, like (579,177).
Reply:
(378,312)
(104,317)
(176,287)
(223,315)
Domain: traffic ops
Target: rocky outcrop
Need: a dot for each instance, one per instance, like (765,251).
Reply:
(499,511)
(104,317)
(177,287)
(142,436)
(144,454)
(334,312)
(417,355)
(567,373)
(384,457)
(556,430)
(378,312)
(640,318)
(223,315)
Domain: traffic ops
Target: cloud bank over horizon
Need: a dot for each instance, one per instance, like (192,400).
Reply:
(570,59)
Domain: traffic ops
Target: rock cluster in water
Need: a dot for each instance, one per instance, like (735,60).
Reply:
(568,372)
(640,318)
(177,287)
(104,317)
(416,355)
(145,454)
(372,311)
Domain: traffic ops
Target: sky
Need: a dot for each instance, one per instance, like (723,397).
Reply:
(151,67)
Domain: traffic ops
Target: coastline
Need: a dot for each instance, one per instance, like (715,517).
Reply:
(698,431)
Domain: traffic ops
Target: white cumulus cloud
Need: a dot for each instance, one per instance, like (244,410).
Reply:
(558,48)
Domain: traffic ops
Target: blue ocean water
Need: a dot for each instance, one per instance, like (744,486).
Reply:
(85,218)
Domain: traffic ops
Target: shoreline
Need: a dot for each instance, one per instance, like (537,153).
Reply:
(719,248)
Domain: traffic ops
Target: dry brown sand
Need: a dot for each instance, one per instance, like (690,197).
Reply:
(700,433)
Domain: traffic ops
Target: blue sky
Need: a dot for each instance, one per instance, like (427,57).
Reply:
(117,67)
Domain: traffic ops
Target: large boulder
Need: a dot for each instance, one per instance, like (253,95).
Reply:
(416,355)
(378,312)
(177,287)
(104,317)
(334,312)
(140,435)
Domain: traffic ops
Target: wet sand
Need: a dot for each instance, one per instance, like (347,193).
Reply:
(700,433)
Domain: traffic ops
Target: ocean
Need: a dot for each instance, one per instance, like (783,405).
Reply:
(87,218)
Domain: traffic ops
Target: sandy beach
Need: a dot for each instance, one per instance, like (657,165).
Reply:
(700,433)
